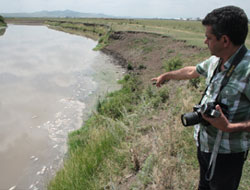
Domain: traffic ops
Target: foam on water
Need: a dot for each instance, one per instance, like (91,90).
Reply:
(65,121)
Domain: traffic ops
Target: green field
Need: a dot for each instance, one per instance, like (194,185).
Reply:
(190,31)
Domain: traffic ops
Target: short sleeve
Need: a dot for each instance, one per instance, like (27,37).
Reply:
(204,67)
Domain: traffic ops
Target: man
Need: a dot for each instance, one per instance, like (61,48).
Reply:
(227,138)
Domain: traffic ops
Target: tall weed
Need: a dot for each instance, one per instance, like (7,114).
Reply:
(114,104)
(89,148)
(156,96)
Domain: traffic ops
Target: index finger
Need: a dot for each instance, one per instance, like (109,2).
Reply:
(154,79)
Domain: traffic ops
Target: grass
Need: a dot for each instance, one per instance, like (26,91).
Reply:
(135,139)
(98,147)
(173,63)
(92,30)
(190,31)
(100,152)
(94,144)
(86,155)
(103,40)
(2,31)
(2,22)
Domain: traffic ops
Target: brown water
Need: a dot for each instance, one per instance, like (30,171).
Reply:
(49,81)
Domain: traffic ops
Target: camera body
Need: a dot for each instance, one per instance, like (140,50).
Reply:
(195,117)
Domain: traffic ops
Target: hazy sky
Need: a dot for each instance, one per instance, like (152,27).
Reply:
(133,8)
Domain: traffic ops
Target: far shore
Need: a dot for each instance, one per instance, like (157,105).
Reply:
(25,21)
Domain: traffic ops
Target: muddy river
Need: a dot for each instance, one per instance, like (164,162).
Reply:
(49,83)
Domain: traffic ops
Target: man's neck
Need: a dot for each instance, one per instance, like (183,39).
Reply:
(227,54)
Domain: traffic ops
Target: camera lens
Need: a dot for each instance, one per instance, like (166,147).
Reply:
(190,118)
(184,120)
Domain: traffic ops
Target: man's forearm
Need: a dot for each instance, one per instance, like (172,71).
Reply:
(181,74)
(241,126)
(223,124)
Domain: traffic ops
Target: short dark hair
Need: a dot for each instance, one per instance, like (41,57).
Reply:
(231,21)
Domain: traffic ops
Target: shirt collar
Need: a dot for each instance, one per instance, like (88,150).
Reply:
(230,60)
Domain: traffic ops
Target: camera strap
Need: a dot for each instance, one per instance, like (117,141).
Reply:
(237,59)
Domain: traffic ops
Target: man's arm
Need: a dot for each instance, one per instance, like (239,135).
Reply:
(188,72)
(223,124)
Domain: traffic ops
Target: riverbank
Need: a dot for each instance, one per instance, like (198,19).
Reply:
(25,21)
(134,139)
(2,22)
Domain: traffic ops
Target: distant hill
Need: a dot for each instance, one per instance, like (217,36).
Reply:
(63,14)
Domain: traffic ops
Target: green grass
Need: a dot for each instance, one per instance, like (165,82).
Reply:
(88,150)
(2,22)
(173,63)
(99,154)
(2,31)
(190,31)
(96,151)
(115,103)
(97,142)
(103,40)
(245,181)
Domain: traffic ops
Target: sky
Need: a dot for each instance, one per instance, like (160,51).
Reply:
(126,8)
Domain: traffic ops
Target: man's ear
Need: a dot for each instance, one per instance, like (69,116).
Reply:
(226,41)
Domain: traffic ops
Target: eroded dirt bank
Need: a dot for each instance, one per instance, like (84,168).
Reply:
(145,53)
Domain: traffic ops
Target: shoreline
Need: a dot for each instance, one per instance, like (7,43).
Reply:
(143,55)
(25,21)
(103,71)
(135,139)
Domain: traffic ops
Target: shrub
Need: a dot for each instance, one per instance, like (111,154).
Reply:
(142,67)
(172,64)
(130,67)
(197,83)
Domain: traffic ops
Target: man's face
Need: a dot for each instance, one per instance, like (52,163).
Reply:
(215,46)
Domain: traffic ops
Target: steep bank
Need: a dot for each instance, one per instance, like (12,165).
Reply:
(145,53)
(135,140)
(160,150)
(145,142)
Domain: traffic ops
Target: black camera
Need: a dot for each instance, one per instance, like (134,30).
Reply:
(195,117)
